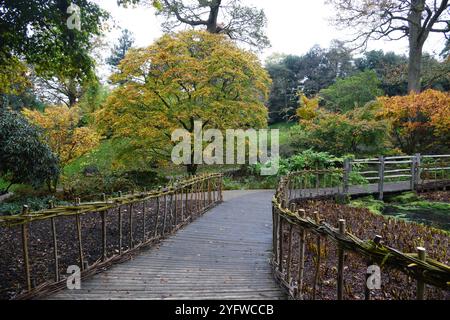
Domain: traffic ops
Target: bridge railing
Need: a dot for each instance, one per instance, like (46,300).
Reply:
(420,171)
(303,243)
(37,248)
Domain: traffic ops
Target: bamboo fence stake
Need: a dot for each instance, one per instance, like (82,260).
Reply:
(340,269)
(80,241)
(130,222)
(51,205)
(120,230)
(319,258)
(301,256)
(280,242)
(176,207)
(289,257)
(274,234)
(104,247)
(165,215)
(422,254)
(144,222)
(26,257)
(157,216)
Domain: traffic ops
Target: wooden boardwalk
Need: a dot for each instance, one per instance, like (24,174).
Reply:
(222,255)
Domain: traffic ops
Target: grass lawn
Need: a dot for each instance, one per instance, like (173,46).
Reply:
(284,130)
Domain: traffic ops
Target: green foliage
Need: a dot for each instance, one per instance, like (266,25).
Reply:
(390,68)
(104,158)
(60,56)
(306,160)
(120,49)
(374,206)
(352,92)
(35,202)
(91,187)
(93,98)
(357,132)
(24,158)
(310,73)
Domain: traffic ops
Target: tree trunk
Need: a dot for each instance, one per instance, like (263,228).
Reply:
(415,66)
(192,169)
(212,26)
(417,38)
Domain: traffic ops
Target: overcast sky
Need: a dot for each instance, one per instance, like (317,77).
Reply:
(294,26)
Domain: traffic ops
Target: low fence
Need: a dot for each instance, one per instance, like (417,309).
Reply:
(36,248)
(302,240)
(420,171)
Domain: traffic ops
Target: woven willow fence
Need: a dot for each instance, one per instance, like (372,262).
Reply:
(38,247)
(309,232)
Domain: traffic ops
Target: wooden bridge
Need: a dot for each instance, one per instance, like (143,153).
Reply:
(182,246)
(223,255)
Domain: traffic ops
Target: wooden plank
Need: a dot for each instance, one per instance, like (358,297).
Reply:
(218,256)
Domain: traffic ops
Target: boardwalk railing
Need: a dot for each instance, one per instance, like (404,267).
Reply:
(38,247)
(298,241)
(419,170)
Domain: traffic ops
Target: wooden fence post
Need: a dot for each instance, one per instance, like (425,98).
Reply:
(26,257)
(104,246)
(418,169)
(319,258)
(130,222)
(413,173)
(274,233)
(165,215)
(340,269)
(51,205)
(289,257)
(280,243)
(157,216)
(347,171)
(120,230)
(422,253)
(144,222)
(381,178)
(301,267)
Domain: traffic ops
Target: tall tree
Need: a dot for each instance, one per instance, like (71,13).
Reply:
(182,78)
(38,32)
(244,24)
(394,20)
(120,49)
(317,69)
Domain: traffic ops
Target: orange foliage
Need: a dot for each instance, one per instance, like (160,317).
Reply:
(420,121)
(65,137)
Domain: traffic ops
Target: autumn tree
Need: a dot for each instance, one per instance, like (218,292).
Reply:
(242,23)
(181,78)
(394,20)
(65,137)
(420,122)
(356,132)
